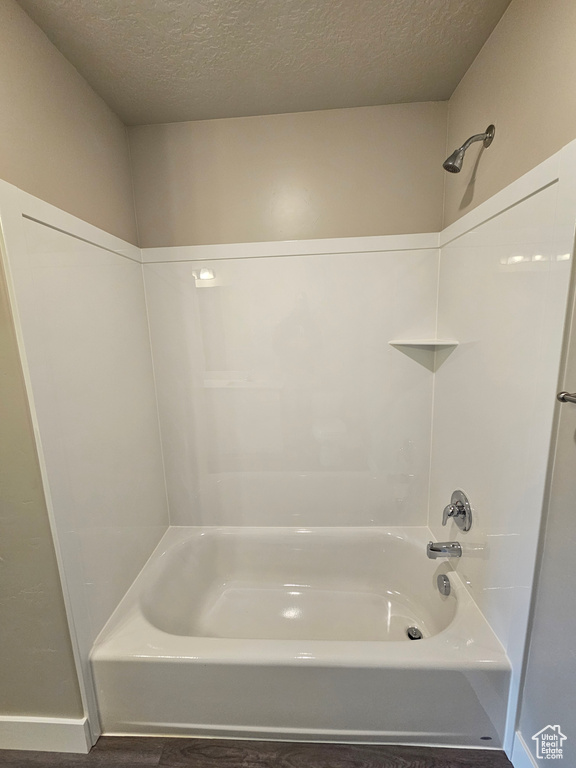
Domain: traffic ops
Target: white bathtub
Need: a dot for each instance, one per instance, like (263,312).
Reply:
(300,634)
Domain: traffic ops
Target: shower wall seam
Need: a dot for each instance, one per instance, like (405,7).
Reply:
(433,386)
(158,421)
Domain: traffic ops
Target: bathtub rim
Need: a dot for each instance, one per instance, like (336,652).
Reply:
(467,643)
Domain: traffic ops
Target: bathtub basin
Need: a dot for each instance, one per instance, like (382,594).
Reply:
(295,585)
(300,634)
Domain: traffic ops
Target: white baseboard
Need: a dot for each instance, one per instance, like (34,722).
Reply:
(521,756)
(45,734)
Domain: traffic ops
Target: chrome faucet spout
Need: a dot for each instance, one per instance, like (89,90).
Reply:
(443,549)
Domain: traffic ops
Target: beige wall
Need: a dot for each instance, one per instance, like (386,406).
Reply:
(523,82)
(337,173)
(312,174)
(37,673)
(58,140)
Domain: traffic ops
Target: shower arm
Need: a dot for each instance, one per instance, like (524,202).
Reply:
(453,164)
(472,139)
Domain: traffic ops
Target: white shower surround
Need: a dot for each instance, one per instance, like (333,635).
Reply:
(492,580)
(281,402)
(79,308)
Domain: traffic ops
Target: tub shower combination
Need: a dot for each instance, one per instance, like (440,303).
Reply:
(248,452)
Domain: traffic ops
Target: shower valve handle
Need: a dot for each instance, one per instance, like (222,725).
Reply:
(453,510)
(459,510)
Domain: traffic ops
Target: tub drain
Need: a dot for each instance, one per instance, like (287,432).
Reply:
(414,633)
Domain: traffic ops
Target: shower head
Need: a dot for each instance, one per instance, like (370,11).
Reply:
(453,164)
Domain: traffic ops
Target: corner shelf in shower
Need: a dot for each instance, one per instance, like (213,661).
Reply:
(430,353)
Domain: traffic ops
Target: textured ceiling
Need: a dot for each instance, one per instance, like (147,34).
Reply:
(157,61)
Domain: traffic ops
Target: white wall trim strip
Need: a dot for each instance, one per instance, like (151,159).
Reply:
(33,208)
(47,734)
(538,178)
(521,757)
(318,247)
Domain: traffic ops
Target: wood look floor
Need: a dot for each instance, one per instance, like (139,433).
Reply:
(129,752)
